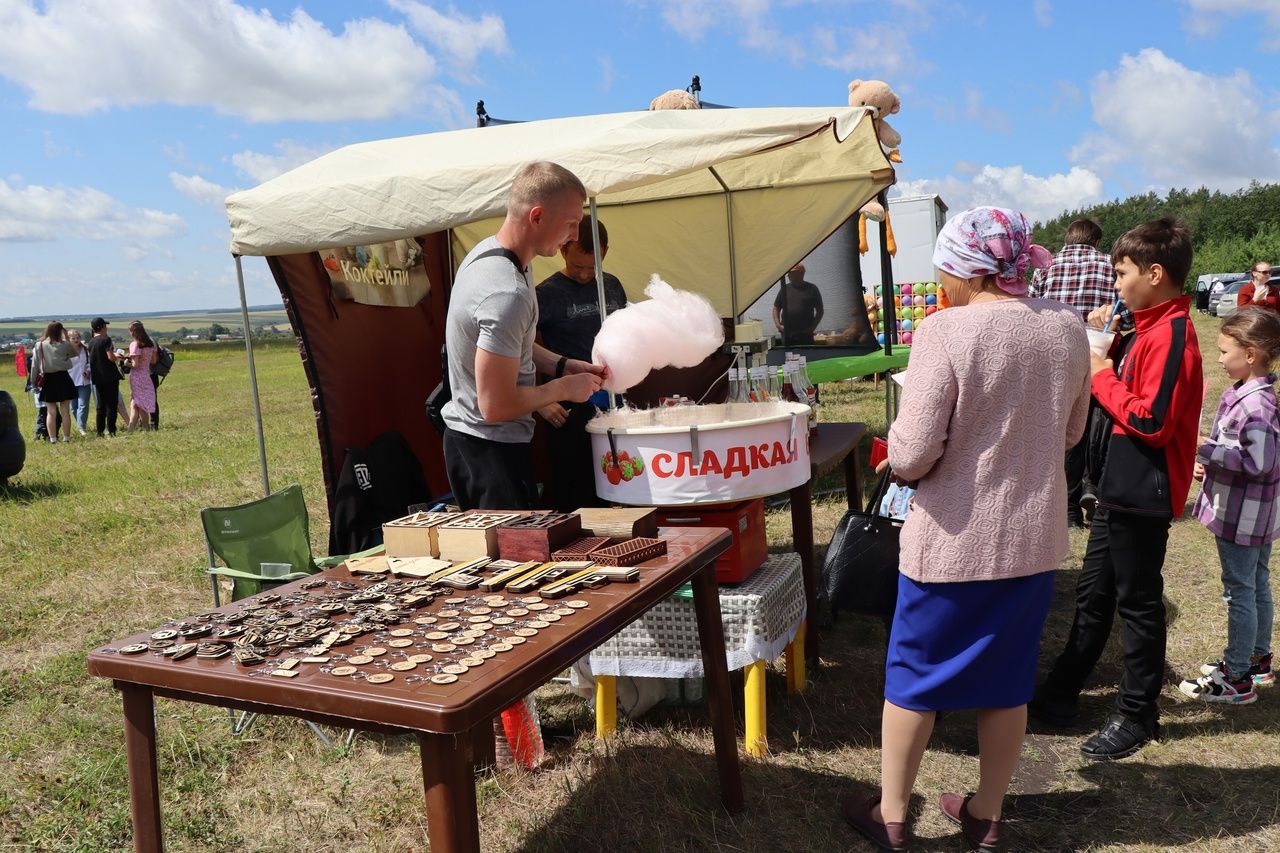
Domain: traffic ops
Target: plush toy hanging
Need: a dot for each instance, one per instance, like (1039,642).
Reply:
(874,211)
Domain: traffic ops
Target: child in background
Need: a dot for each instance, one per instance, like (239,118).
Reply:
(1241,475)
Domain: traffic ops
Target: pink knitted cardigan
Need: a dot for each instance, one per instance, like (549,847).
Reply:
(994,395)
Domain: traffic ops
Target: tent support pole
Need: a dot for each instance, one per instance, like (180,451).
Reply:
(733,253)
(253,378)
(595,251)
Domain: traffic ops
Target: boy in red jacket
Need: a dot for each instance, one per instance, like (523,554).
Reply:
(1141,453)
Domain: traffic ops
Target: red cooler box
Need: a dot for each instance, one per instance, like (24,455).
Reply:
(744,520)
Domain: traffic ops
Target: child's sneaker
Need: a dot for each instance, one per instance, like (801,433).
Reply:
(1221,687)
(1260,669)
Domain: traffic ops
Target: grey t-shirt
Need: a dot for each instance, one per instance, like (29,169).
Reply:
(492,307)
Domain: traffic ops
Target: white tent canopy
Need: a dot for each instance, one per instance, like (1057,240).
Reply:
(706,198)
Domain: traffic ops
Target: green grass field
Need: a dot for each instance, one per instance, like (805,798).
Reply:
(165,324)
(100,538)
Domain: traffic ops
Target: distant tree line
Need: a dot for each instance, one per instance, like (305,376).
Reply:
(213,331)
(1229,230)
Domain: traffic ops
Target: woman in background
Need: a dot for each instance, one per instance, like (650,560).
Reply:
(142,394)
(52,366)
(80,378)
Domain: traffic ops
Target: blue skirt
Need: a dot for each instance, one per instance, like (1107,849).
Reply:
(961,645)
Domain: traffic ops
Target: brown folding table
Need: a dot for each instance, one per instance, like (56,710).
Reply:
(447,719)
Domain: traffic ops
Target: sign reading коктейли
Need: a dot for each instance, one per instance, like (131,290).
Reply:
(391,274)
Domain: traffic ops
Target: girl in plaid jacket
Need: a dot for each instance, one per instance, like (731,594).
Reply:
(1241,472)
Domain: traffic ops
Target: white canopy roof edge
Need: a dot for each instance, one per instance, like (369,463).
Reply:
(391,189)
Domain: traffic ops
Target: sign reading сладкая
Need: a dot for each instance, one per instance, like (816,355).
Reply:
(390,274)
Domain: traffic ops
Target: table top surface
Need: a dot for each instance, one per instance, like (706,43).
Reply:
(833,443)
(410,700)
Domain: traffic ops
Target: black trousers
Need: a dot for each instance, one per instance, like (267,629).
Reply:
(1121,572)
(1077,475)
(155,416)
(487,474)
(573,461)
(108,397)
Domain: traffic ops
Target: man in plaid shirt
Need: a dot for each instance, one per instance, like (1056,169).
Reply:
(1083,278)
(1080,275)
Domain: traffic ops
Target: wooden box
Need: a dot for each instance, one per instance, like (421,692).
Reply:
(625,522)
(470,535)
(630,553)
(415,535)
(534,537)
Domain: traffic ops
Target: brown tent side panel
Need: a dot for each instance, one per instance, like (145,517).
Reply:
(370,367)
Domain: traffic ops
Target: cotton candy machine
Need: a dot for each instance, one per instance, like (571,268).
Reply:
(700,454)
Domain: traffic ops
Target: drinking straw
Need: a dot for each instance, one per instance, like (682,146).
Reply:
(1114,309)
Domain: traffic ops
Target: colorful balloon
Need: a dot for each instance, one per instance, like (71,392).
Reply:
(931,300)
(906,337)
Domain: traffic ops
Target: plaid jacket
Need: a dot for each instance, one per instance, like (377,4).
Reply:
(1083,278)
(1242,477)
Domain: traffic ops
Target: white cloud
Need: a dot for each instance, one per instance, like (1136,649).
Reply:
(289,155)
(32,213)
(80,56)
(878,49)
(1043,12)
(1205,17)
(200,189)
(1180,127)
(460,38)
(607,73)
(1040,198)
(980,113)
(872,48)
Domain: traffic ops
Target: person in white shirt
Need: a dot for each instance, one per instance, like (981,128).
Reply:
(80,377)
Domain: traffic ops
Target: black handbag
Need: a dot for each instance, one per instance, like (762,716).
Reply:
(861,570)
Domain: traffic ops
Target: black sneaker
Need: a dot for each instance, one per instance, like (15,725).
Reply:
(1060,713)
(1088,503)
(1119,738)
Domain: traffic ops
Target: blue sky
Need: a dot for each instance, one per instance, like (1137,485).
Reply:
(126,123)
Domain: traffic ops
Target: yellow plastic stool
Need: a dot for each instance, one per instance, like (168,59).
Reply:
(757,725)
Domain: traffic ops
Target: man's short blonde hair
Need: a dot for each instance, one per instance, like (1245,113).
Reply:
(543,183)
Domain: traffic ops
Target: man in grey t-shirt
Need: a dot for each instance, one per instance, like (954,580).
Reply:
(493,360)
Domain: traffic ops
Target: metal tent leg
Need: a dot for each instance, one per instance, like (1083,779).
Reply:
(253,378)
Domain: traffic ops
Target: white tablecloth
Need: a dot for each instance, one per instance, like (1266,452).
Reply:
(761,616)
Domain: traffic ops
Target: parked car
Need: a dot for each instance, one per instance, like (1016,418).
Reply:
(1227,304)
(1234,279)
(1227,293)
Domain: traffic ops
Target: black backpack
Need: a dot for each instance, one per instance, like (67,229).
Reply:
(164,362)
(442,393)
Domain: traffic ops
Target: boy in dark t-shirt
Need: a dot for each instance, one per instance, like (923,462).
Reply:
(105,377)
(568,322)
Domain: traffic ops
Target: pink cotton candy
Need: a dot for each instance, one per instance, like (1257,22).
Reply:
(672,328)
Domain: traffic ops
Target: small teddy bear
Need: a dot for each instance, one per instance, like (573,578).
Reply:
(675,99)
(876,93)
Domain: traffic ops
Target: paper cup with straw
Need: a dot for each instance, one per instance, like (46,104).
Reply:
(1100,340)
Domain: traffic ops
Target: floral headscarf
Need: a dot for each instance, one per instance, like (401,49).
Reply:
(990,241)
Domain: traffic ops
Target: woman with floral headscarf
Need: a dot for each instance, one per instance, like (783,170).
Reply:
(996,391)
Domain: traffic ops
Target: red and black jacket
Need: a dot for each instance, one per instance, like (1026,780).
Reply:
(1151,407)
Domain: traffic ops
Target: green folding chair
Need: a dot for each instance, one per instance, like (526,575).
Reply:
(262,544)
